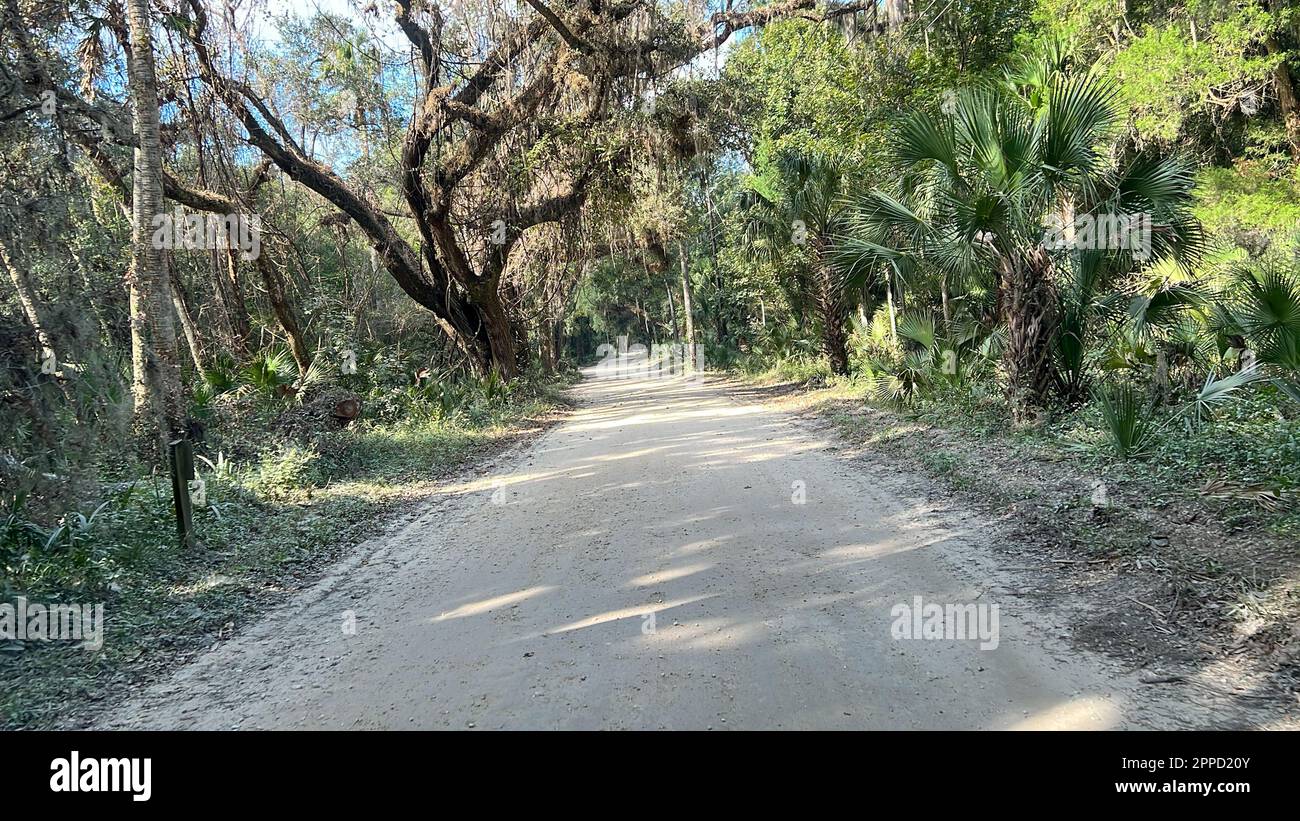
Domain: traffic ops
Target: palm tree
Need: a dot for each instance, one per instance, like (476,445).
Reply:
(980,181)
(799,214)
(155,362)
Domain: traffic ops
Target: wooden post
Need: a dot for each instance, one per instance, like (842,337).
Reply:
(181,456)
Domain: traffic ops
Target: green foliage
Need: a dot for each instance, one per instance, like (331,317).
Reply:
(283,472)
(802,87)
(1166,77)
(75,554)
(1249,206)
(1128,419)
(1218,391)
(269,370)
(1266,307)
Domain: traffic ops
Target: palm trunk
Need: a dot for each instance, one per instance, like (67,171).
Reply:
(1031,317)
(156,388)
(831,306)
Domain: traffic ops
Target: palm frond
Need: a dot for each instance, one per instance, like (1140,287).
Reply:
(1128,420)
(1216,392)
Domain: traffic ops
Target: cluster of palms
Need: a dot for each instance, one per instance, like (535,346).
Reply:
(956,247)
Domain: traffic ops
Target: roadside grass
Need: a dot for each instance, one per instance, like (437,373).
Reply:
(1245,461)
(271,525)
(762,371)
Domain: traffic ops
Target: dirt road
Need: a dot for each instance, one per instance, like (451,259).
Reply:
(668,557)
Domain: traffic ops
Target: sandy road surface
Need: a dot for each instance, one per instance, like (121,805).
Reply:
(645,565)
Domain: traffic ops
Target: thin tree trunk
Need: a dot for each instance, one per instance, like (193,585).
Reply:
(181,302)
(284,311)
(27,298)
(156,388)
(672,309)
(546,345)
(557,342)
(889,303)
(943,293)
(96,308)
(237,310)
(687,310)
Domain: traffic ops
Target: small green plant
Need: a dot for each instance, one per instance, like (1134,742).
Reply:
(269,370)
(1267,311)
(1128,419)
(284,471)
(72,552)
(492,385)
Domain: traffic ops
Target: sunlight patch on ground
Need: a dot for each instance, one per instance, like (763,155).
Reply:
(1080,713)
(861,551)
(653,418)
(706,634)
(487,605)
(636,612)
(203,585)
(661,576)
(486,484)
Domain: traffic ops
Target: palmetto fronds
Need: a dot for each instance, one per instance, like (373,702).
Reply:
(981,179)
(269,370)
(918,327)
(1266,308)
(1128,419)
(1162,307)
(796,214)
(1218,391)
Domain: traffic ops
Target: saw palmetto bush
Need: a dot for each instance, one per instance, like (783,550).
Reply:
(928,356)
(1128,417)
(1265,305)
(980,181)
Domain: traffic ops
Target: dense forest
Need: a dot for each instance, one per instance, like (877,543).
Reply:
(339,251)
